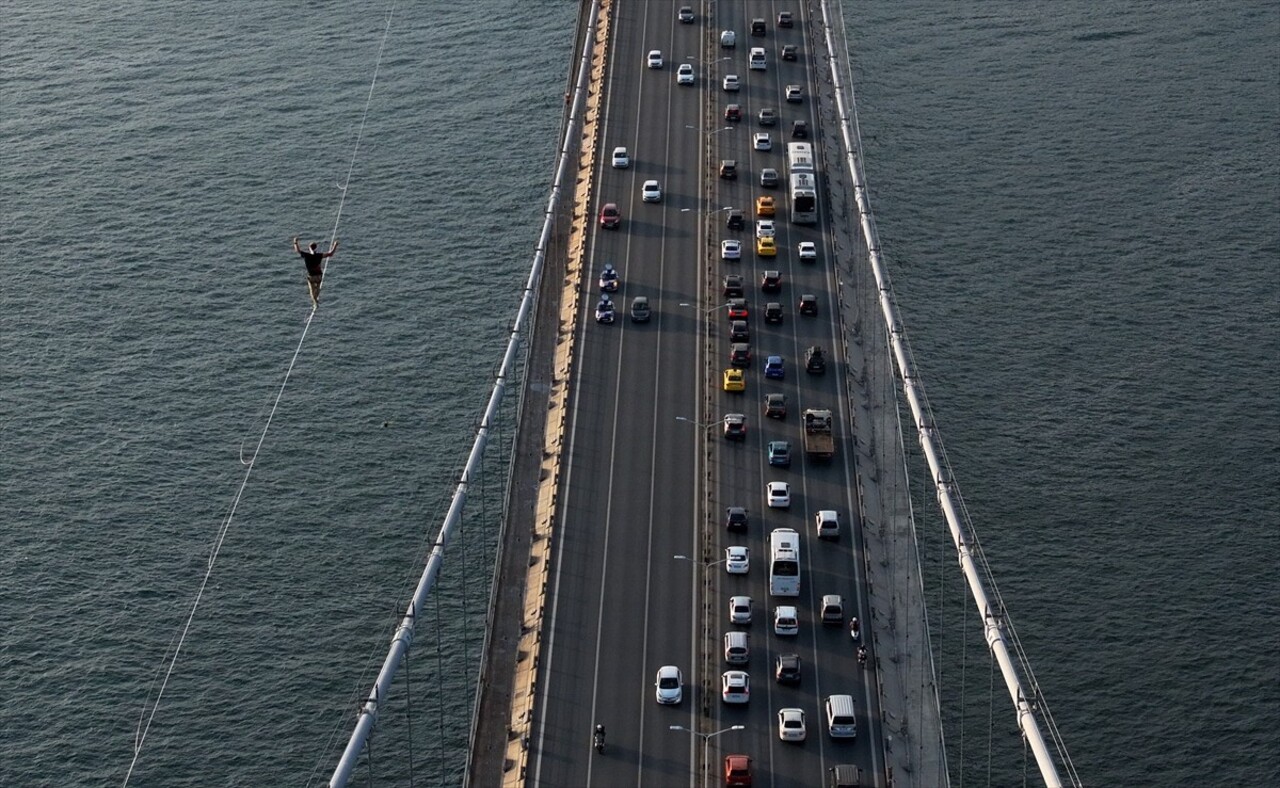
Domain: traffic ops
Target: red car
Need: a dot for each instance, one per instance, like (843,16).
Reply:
(610,216)
(737,309)
(737,770)
(733,112)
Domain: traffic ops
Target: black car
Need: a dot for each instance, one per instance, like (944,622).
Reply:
(735,426)
(735,518)
(814,361)
(800,130)
(789,52)
(738,331)
(686,14)
(733,285)
(786,668)
(773,312)
(808,304)
(736,220)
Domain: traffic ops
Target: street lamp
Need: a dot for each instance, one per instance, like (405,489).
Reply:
(709,213)
(705,310)
(705,425)
(706,738)
(708,132)
(707,564)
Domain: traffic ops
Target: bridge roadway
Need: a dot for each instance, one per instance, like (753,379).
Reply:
(642,485)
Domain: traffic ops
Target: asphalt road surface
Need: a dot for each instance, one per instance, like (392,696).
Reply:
(649,474)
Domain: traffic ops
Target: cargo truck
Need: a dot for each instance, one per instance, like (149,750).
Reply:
(819,443)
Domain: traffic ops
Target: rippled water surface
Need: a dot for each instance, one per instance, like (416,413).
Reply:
(1079,204)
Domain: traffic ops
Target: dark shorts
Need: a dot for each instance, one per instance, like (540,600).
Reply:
(315,279)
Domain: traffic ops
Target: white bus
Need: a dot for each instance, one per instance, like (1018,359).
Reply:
(800,158)
(784,562)
(804,198)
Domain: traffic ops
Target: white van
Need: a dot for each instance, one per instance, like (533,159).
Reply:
(842,722)
(755,60)
(786,621)
(826,523)
(737,648)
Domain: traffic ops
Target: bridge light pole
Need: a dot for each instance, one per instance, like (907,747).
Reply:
(708,131)
(704,425)
(706,564)
(706,739)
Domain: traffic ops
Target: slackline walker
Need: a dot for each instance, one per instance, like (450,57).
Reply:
(151,707)
(314,260)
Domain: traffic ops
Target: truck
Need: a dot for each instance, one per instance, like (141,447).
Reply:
(819,443)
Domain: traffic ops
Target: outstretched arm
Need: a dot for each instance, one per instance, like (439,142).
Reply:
(296,248)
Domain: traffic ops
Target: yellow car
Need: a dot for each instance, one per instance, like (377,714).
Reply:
(734,380)
(765,247)
(764,206)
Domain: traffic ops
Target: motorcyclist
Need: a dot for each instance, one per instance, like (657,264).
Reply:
(853,627)
(598,737)
(862,655)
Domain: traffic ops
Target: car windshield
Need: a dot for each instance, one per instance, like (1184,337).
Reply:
(668,682)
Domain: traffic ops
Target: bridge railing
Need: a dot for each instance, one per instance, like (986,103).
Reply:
(1030,705)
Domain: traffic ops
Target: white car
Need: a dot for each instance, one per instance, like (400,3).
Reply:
(728,39)
(654,59)
(786,621)
(621,159)
(808,251)
(778,495)
(737,559)
(735,686)
(791,725)
(731,83)
(793,94)
(761,141)
(684,74)
(651,192)
(740,610)
(765,228)
(731,250)
(670,685)
(826,524)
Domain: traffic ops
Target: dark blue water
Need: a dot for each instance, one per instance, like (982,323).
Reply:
(1081,207)
(1079,204)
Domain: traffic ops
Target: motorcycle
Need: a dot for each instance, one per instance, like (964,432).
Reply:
(597,739)
(862,655)
(854,631)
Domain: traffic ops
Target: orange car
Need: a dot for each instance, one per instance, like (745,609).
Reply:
(765,206)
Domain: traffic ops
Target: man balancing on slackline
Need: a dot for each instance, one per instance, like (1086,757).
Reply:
(314,260)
